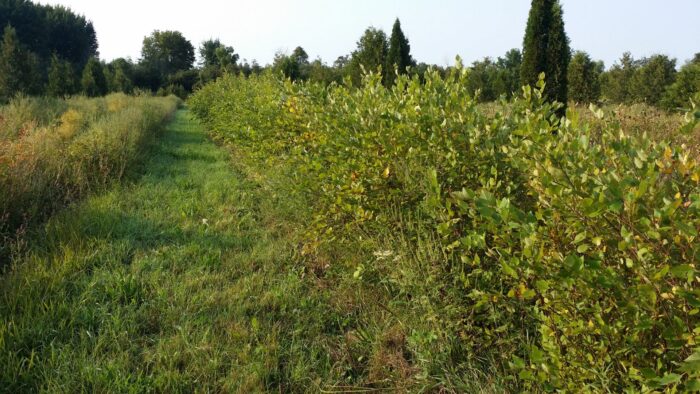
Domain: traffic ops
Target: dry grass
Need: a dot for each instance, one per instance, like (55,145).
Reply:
(53,152)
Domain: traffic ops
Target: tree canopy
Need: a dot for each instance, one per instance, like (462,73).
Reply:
(584,78)
(93,81)
(371,54)
(686,85)
(165,53)
(47,30)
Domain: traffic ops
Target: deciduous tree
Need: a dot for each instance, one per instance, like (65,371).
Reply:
(371,54)
(165,53)
(686,86)
(652,78)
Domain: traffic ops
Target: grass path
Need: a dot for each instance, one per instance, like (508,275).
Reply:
(178,282)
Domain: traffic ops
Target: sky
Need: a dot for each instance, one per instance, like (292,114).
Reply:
(438,30)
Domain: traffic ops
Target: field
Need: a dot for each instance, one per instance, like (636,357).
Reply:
(341,239)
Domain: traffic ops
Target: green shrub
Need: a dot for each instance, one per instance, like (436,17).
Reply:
(563,255)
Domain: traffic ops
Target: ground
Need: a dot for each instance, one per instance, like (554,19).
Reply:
(176,281)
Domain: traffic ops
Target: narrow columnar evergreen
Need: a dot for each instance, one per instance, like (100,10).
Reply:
(399,55)
(546,49)
(15,70)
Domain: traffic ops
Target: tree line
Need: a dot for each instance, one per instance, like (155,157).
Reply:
(50,50)
(570,75)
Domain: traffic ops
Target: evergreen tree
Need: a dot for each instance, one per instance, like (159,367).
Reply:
(320,72)
(11,67)
(256,68)
(287,65)
(217,59)
(215,53)
(301,58)
(536,40)
(584,78)
(546,49)
(61,78)
(19,68)
(93,82)
(399,54)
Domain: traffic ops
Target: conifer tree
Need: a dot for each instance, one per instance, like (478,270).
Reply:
(399,54)
(617,82)
(93,82)
(11,68)
(61,78)
(546,49)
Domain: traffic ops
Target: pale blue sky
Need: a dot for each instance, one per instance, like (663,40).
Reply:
(438,30)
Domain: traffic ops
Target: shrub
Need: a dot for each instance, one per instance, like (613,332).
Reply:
(562,254)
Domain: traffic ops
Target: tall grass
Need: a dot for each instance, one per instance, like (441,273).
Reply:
(53,152)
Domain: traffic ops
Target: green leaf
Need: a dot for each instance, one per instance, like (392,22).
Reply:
(661,273)
(693,385)
(529,294)
(669,379)
(648,294)
(694,357)
(508,270)
(518,363)
(681,271)
(542,286)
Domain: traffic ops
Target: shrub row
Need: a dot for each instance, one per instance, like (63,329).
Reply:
(564,251)
(53,151)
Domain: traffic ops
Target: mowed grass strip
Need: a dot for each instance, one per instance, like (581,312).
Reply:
(179,282)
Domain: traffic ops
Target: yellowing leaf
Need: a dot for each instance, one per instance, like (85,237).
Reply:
(387,172)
